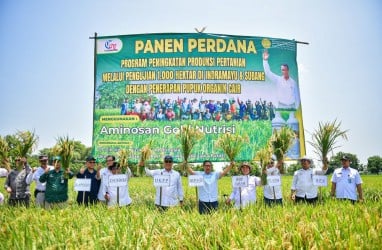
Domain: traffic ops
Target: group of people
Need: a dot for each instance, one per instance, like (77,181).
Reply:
(185,109)
(52,184)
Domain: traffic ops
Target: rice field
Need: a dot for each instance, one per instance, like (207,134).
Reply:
(328,225)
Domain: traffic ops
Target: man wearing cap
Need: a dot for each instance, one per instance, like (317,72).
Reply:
(303,189)
(273,194)
(56,193)
(89,197)
(208,193)
(171,195)
(39,192)
(102,174)
(17,183)
(246,195)
(346,182)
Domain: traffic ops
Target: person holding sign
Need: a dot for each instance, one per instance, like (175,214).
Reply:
(346,181)
(56,193)
(272,190)
(243,196)
(168,185)
(89,197)
(303,186)
(208,193)
(115,187)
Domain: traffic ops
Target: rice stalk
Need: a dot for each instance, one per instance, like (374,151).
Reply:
(65,149)
(26,142)
(281,140)
(264,156)
(188,136)
(123,159)
(324,138)
(4,154)
(231,144)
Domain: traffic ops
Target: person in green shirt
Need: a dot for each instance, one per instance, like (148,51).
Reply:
(56,193)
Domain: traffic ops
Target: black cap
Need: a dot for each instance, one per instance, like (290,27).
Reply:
(168,158)
(90,158)
(345,158)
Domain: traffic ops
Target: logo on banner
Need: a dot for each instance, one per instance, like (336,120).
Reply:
(105,46)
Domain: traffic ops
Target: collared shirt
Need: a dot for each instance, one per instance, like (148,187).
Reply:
(275,191)
(303,182)
(209,191)
(124,197)
(346,180)
(56,185)
(19,182)
(170,195)
(248,194)
(104,172)
(36,177)
(287,90)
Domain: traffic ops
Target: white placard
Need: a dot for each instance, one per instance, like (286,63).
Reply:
(82,184)
(161,180)
(274,180)
(195,180)
(240,181)
(320,180)
(117,180)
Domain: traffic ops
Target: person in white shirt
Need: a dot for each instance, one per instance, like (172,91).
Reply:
(39,192)
(116,196)
(287,90)
(208,193)
(346,182)
(104,172)
(302,189)
(246,195)
(168,196)
(273,194)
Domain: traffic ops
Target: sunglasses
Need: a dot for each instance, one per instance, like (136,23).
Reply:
(168,161)
(109,160)
(17,160)
(92,162)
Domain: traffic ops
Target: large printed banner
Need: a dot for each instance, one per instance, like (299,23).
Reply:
(147,86)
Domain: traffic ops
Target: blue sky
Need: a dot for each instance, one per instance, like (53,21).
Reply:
(46,58)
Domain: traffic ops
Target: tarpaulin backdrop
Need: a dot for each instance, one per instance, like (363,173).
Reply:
(148,85)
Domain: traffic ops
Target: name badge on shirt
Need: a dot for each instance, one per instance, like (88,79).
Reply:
(320,180)
(274,180)
(240,181)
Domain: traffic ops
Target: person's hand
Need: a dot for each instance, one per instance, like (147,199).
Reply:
(293,196)
(47,170)
(9,189)
(82,170)
(23,160)
(34,169)
(228,201)
(107,196)
(265,55)
(67,170)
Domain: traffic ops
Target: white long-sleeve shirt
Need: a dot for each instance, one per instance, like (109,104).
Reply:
(287,90)
(170,195)
(124,197)
(248,194)
(303,182)
(275,191)
(36,177)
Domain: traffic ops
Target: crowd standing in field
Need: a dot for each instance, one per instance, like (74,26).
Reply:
(52,184)
(194,109)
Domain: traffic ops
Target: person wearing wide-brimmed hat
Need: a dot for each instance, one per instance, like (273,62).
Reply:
(346,182)
(303,189)
(246,195)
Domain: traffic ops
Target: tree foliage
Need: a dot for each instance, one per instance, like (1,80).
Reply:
(374,164)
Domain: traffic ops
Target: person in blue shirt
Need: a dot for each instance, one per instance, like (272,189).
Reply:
(84,197)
